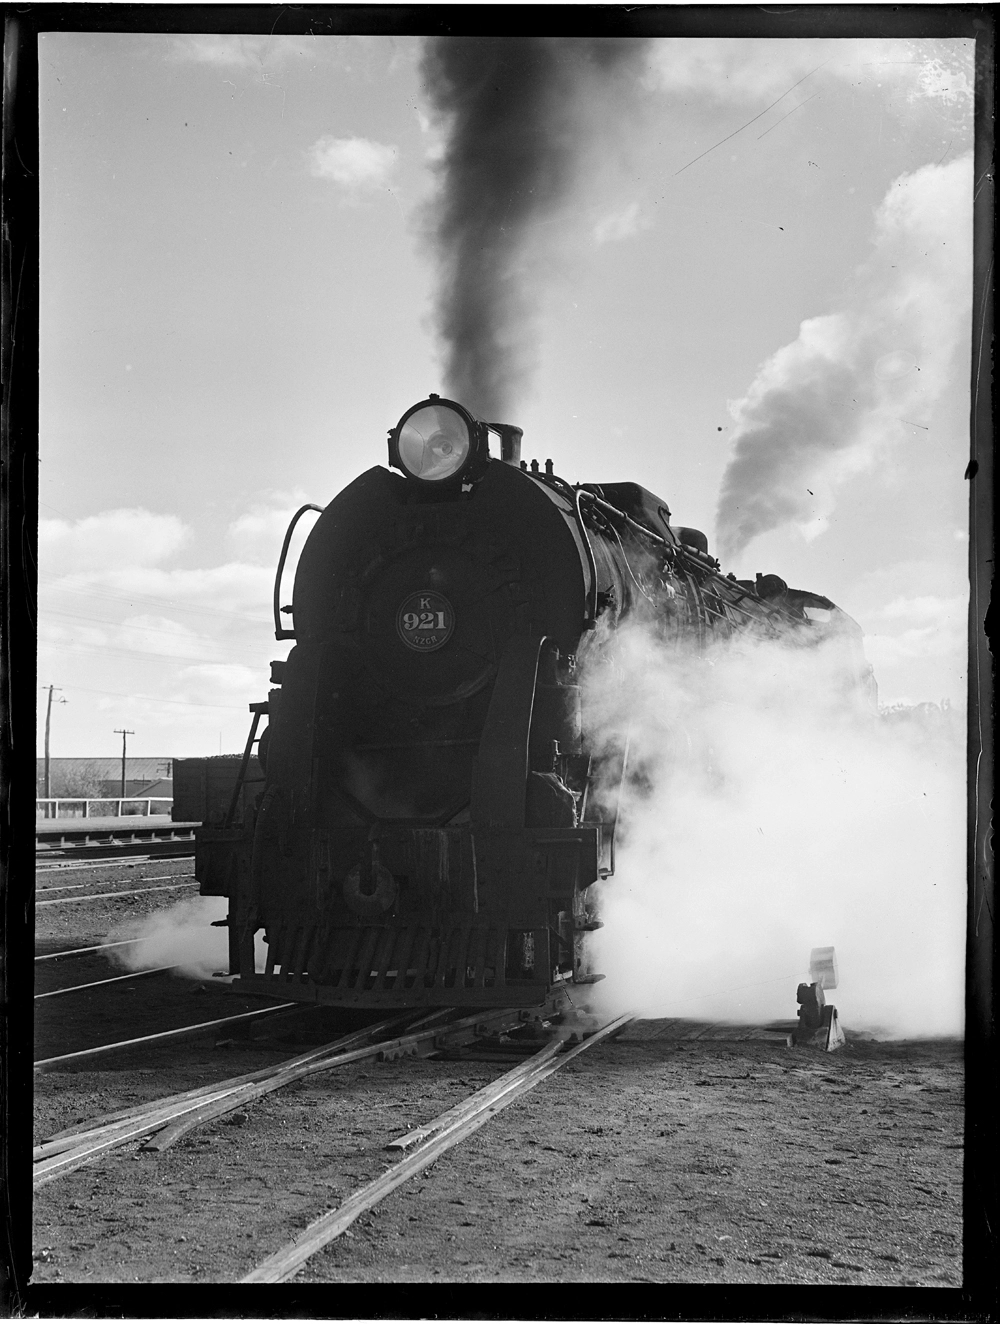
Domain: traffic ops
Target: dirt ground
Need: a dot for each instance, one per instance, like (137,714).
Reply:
(649,1158)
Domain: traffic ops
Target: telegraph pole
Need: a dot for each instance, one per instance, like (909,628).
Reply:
(124,735)
(48,724)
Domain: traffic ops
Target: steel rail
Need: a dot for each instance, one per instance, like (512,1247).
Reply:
(88,882)
(73,1136)
(410,1044)
(188,1031)
(133,862)
(104,896)
(69,1151)
(79,951)
(468,1107)
(286,1072)
(115,979)
(286,1262)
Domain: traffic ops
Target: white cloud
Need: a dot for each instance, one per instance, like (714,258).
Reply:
(259,531)
(56,637)
(234,587)
(162,636)
(224,677)
(160,648)
(354,163)
(157,638)
(927,609)
(735,69)
(621,225)
(886,651)
(237,51)
(113,538)
(917,628)
(228,684)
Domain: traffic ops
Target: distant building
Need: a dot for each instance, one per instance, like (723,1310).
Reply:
(97,778)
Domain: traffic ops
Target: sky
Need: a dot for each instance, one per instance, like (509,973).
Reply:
(753,299)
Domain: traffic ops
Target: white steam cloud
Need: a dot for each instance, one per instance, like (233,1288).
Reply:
(856,382)
(354,163)
(181,935)
(767,814)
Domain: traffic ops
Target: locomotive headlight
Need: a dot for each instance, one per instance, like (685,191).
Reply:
(434,443)
(438,440)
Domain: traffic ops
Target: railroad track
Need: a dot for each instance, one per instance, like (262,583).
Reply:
(430,1142)
(85,888)
(61,866)
(185,882)
(55,879)
(157,1125)
(160,1123)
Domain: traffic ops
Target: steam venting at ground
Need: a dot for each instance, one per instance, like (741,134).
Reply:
(765,814)
(857,382)
(514,112)
(180,935)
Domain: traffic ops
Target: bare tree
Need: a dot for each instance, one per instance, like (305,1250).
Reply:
(84,782)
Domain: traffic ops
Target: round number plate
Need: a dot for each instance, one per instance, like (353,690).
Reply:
(425,621)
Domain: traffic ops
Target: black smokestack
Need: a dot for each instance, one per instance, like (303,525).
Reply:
(515,133)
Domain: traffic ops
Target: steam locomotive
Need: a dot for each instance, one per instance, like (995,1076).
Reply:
(424,826)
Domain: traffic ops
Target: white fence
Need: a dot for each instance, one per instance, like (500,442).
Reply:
(130,807)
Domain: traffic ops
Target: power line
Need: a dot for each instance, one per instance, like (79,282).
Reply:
(131,599)
(136,655)
(749,122)
(118,625)
(148,698)
(785,116)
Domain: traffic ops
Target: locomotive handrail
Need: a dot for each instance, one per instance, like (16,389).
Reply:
(591,618)
(702,560)
(280,633)
(609,509)
(628,567)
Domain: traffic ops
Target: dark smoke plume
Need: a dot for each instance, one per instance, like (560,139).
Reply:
(515,131)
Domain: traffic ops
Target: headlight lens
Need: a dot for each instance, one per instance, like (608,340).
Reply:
(434,443)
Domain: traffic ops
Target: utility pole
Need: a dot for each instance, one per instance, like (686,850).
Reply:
(48,724)
(124,735)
